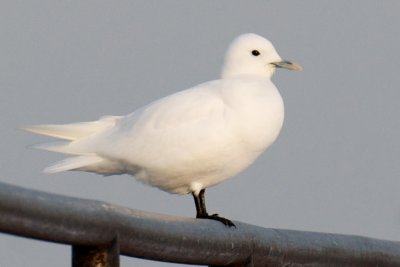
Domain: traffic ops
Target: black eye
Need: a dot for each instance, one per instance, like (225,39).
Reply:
(255,53)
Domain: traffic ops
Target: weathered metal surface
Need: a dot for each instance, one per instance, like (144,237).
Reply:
(81,222)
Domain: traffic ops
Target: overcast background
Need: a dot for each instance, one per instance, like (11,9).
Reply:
(335,167)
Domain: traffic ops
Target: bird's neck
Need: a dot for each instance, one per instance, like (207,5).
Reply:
(232,71)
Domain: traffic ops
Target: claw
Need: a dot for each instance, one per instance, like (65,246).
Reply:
(215,217)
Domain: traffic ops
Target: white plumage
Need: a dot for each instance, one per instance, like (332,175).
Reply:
(192,139)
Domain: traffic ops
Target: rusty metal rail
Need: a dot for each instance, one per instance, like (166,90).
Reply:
(99,232)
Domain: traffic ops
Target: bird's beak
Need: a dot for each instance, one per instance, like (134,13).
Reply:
(287,65)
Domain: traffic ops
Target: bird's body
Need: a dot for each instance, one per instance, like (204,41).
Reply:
(190,140)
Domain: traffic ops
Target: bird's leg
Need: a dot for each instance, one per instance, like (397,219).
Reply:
(200,202)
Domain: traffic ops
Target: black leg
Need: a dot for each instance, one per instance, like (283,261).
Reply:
(200,203)
(201,211)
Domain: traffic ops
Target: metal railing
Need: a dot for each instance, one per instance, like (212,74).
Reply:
(99,232)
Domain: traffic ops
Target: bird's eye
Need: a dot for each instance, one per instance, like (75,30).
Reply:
(255,53)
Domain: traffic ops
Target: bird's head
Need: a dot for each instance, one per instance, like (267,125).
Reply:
(251,55)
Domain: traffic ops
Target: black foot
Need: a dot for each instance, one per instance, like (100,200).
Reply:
(200,202)
(215,217)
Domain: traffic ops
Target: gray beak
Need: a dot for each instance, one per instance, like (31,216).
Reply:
(287,65)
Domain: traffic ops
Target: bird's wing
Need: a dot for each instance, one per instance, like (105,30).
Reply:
(184,124)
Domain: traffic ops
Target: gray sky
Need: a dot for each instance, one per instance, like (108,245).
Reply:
(335,167)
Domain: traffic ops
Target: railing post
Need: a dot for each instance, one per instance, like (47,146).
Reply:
(96,256)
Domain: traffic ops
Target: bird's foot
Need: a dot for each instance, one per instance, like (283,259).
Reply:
(215,217)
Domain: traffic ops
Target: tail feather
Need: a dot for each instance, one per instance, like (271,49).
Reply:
(59,147)
(74,131)
(75,137)
(73,163)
